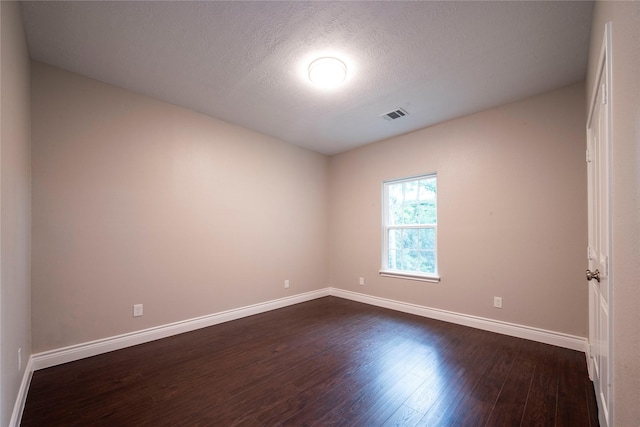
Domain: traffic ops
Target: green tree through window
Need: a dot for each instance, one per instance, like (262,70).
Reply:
(410,226)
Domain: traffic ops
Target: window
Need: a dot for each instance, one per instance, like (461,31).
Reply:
(409,228)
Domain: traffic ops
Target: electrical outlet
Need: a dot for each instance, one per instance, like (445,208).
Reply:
(286,284)
(362,280)
(497,302)
(137,310)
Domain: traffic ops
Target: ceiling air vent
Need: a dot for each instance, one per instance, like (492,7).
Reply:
(395,114)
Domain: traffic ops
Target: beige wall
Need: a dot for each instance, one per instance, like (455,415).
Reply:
(138,201)
(511,210)
(625,99)
(15,207)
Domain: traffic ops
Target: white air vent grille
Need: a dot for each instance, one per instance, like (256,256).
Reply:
(395,114)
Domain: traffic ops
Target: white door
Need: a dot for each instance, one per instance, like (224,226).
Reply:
(598,158)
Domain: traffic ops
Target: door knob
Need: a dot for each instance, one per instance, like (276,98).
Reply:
(593,275)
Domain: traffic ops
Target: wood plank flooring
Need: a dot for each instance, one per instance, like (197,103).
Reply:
(321,363)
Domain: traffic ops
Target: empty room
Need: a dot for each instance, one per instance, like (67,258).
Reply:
(296,213)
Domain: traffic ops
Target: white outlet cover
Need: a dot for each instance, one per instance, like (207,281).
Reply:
(137,310)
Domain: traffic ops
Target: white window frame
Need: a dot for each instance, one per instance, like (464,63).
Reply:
(404,274)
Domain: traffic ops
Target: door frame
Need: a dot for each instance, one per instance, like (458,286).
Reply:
(604,76)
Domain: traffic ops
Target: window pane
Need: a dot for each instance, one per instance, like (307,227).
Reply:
(395,194)
(411,191)
(427,213)
(427,239)
(427,261)
(428,189)
(395,239)
(395,261)
(410,214)
(396,214)
(411,202)
(395,250)
(412,260)
(410,238)
(412,250)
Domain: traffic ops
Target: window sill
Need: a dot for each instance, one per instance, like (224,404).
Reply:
(409,276)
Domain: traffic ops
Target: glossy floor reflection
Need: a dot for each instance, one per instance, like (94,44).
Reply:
(325,362)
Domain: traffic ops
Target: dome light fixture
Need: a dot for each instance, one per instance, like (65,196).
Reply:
(327,72)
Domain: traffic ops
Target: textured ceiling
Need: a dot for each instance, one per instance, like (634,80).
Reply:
(245,62)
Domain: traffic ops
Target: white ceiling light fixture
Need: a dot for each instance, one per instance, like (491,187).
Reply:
(327,72)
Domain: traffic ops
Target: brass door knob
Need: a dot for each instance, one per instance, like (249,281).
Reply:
(593,275)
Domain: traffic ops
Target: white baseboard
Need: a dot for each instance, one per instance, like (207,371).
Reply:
(76,352)
(535,334)
(21,400)
(80,351)
(588,355)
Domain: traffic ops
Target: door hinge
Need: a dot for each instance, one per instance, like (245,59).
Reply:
(588,155)
(604,94)
(589,257)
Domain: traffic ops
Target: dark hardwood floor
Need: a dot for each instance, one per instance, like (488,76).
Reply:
(326,362)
